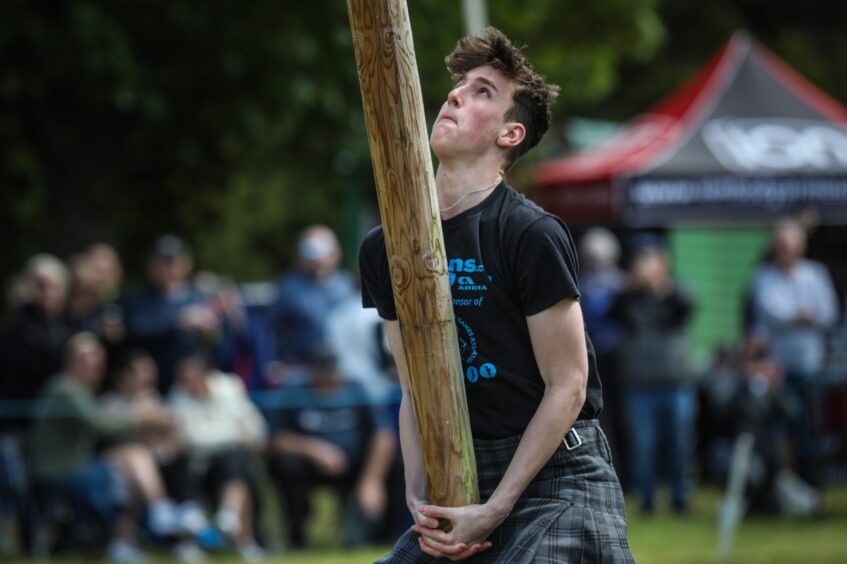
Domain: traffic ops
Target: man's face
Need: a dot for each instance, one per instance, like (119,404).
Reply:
(191,374)
(472,118)
(788,246)
(89,363)
(170,272)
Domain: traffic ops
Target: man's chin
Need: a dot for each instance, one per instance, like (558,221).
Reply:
(438,144)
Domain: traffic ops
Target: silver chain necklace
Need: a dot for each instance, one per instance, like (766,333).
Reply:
(477,191)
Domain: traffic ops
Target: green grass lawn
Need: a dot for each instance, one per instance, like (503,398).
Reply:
(661,539)
(667,538)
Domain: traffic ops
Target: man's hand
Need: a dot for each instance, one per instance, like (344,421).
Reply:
(471,526)
(154,417)
(329,458)
(372,498)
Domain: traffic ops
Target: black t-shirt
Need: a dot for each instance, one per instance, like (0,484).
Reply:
(507,259)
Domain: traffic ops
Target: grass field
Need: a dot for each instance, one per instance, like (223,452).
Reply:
(661,539)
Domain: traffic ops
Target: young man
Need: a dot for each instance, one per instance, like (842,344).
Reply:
(546,481)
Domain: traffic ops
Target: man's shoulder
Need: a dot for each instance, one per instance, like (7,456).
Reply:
(374,239)
(814,268)
(372,247)
(519,215)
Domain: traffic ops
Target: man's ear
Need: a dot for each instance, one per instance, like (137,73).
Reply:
(511,135)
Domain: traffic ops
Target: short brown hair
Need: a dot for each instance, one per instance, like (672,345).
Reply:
(532,98)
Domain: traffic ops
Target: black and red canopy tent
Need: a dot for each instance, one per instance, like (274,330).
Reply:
(747,139)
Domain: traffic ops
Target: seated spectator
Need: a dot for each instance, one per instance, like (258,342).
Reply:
(306,297)
(333,437)
(30,352)
(135,391)
(245,345)
(32,345)
(716,430)
(357,337)
(221,430)
(86,310)
(763,406)
(114,483)
(107,263)
(167,317)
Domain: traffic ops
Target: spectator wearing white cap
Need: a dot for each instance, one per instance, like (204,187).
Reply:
(306,297)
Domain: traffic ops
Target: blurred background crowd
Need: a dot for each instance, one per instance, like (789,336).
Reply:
(184,359)
(164,413)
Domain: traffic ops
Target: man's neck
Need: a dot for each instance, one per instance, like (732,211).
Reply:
(456,183)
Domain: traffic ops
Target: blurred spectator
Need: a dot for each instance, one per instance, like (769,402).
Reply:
(653,310)
(356,335)
(86,309)
(32,346)
(222,430)
(245,345)
(168,317)
(134,392)
(794,305)
(335,438)
(68,425)
(110,273)
(17,292)
(30,352)
(716,428)
(306,297)
(600,281)
(765,408)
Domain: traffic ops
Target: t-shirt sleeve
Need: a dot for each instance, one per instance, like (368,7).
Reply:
(377,291)
(546,263)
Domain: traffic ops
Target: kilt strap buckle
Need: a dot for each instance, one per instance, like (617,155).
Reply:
(572,440)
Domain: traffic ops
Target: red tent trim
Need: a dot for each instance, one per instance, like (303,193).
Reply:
(723,72)
(802,88)
(650,138)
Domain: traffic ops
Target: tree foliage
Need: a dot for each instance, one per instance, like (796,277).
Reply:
(236,123)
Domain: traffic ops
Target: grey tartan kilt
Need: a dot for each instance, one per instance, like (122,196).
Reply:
(572,512)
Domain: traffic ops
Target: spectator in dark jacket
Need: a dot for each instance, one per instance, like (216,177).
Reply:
(660,398)
(30,352)
(331,435)
(168,317)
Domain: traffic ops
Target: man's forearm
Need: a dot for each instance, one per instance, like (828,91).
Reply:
(556,413)
(295,444)
(412,460)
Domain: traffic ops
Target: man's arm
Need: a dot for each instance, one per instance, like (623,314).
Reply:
(558,341)
(331,460)
(412,461)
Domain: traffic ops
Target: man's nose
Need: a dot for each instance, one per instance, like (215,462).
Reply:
(454,97)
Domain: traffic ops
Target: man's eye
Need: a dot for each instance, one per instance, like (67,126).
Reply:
(484,92)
